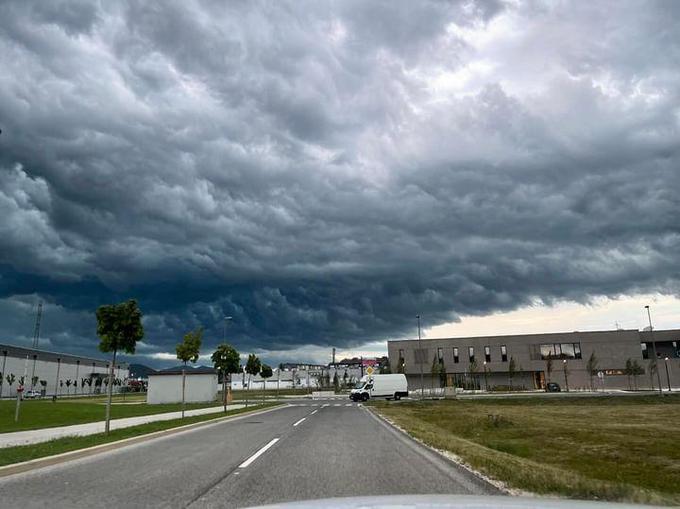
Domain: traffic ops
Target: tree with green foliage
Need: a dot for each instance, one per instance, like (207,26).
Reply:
(188,351)
(34,381)
(591,367)
(512,370)
(253,367)
(119,326)
(265,372)
(344,380)
(226,359)
(68,386)
(10,381)
(336,382)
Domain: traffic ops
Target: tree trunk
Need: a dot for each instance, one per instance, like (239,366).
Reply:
(184,377)
(107,425)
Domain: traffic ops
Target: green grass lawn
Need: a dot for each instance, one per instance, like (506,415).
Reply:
(613,448)
(10,455)
(36,414)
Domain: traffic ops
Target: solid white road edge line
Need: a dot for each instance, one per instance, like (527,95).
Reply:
(315,411)
(299,421)
(258,454)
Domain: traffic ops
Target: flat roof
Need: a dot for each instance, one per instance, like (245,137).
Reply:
(533,334)
(47,355)
(188,372)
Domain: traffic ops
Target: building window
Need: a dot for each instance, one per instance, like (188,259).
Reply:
(561,351)
(420,356)
(645,352)
(504,353)
(440,354)
(455,355)
(471,352)
(487,354)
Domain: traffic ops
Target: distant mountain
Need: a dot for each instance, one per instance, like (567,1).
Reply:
(140,370)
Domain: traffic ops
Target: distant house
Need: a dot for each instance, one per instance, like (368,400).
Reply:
(166,386)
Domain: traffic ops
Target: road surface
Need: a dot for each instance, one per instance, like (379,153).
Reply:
(303,451)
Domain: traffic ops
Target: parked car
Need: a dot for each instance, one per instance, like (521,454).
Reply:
(553,387)
(32,395)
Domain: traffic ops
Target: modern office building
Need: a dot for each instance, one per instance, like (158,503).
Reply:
(623,359)
(53,373)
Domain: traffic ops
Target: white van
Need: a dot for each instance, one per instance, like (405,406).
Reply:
(380,386)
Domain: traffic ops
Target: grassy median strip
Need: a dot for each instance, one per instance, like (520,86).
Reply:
(11,455)
(37,414)
(610,448)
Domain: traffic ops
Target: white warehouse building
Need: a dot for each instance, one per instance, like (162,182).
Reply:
(54,373)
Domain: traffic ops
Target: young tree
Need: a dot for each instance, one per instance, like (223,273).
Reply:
(252,368)
(628,371)
(188,350)
(652,371)
(549,368)
(473,373)
(336,382)
(120,327)
(344,380)
(265,372)
(68,387)
(10,381)
(512,369)
(43,384)
(637,371)
(226,359)
(34,381)
(591,366)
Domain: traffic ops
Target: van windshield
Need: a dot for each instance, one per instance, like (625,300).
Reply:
(360,385)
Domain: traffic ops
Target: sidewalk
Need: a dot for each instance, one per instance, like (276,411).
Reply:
(36,436)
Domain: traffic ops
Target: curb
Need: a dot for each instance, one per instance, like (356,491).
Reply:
(34,464)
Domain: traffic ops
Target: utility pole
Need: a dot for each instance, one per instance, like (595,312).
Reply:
(656,357)
(36,338)
(420,348)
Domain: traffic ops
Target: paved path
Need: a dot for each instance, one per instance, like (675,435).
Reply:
(295,452)
(36,436)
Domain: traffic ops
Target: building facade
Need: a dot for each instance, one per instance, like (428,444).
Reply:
(623,360)
(53,373)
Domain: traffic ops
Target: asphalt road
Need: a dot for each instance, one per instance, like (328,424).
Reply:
(304,451)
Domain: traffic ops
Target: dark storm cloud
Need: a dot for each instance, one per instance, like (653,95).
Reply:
(324,171)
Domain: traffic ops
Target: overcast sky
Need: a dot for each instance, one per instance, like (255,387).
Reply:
(324,171)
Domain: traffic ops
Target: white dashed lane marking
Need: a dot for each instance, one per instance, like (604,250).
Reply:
(258,453)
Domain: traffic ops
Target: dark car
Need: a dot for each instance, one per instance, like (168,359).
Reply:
(553,387)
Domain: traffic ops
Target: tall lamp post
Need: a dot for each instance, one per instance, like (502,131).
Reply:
(668,375)
(656,357)
(225,397)
(566,374)
(420,348)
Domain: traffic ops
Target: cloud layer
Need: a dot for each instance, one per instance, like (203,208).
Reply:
(324,171)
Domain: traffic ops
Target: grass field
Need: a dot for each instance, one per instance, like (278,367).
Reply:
(10,455)
(613,448)
(36,414)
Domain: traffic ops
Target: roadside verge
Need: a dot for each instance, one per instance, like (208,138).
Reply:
(19,459)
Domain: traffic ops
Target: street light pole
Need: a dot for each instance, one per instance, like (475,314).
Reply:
(668,375)
(225,398)
(566,374)
(656,358)
(420,348)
